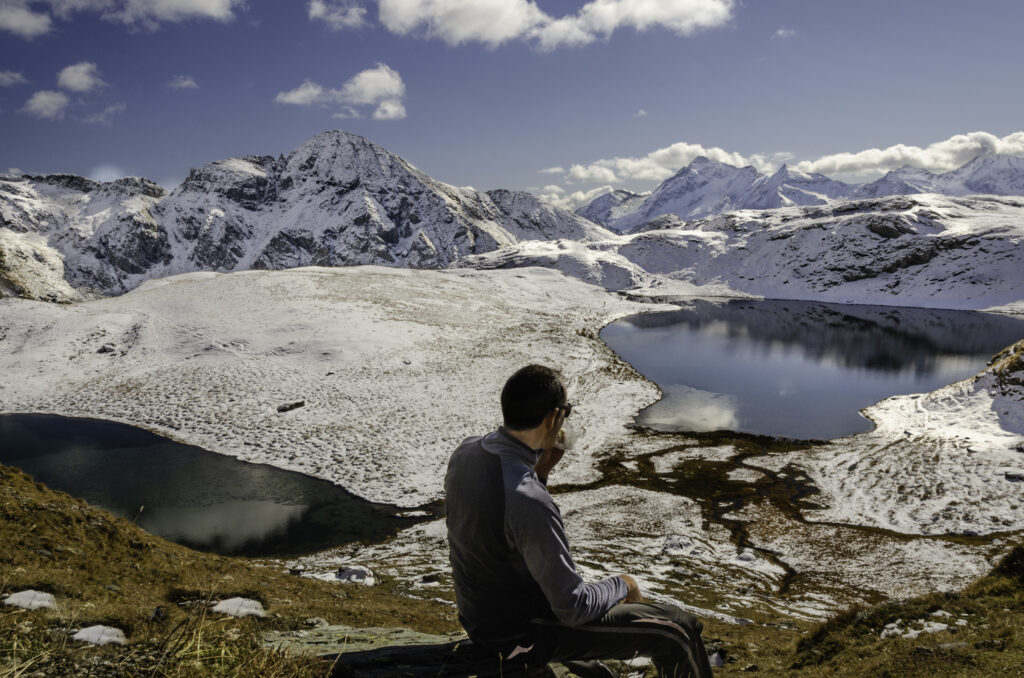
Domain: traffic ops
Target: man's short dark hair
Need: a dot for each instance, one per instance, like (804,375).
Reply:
(529,395)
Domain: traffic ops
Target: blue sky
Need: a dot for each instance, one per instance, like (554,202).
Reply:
(489,93)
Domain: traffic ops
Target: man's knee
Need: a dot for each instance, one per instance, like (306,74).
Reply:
(674,616)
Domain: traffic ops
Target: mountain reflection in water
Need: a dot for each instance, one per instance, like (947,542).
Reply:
(203,500)
(798,369)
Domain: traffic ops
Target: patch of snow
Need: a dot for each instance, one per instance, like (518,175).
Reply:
(240,607)
(31,600)
(100,635)
(897,629)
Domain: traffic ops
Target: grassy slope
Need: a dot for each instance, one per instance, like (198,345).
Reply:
(103,569)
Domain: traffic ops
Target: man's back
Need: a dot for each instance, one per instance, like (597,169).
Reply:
(510,559)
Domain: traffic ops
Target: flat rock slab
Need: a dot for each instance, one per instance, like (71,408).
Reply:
(31,600)
(380,652)
(338,639)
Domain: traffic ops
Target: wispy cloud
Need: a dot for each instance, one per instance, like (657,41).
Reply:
(783,33)
(80,77)
(380,87)
(640,114)
(553,170)
(337,15)
(106,116)
(47,104)
(494,22)
(32,18)
(10,78)
(183,82)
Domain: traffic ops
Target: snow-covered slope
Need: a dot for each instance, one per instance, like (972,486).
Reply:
(338,199)
(395,366)
(947,461)
(984,175)
(608,207)
(706,187)
(924,250)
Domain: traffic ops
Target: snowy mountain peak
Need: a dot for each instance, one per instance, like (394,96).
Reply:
(338,199)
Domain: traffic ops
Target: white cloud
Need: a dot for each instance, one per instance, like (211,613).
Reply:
(660,164)
(106,116)
(592,174)
(31,18)
(392,109)
(559,198)
(47,104)
(783,33)
(107,172)
(17,18)
(80,77)
(553,170)
(640,114)
(494,22)
(183,82)
(941,156)
(337,15)
(372,86)
(380,87)
(304,95)
(10,78)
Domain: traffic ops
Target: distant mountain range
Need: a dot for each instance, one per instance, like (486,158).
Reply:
(706,187)
(712,228)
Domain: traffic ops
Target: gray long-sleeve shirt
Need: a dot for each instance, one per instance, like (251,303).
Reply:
(509,554)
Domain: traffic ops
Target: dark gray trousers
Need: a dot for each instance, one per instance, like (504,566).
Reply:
(666,634)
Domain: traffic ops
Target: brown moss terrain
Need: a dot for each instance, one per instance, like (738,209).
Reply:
(105,570)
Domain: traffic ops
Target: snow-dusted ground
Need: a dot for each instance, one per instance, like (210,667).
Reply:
(395,366)
(949,461)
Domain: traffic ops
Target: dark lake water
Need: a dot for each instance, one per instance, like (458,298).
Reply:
(798,369)
(203,500)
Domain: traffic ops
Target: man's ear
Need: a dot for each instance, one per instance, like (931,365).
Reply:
(549,421)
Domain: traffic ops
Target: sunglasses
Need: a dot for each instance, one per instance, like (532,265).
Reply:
(567,408)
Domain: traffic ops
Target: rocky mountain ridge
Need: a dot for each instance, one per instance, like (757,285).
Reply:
(706,187)
(338,199)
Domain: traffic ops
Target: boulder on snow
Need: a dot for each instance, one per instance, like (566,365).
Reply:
(356,574)
(288,407)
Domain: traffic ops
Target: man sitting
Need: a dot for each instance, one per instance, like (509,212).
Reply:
(516,585)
